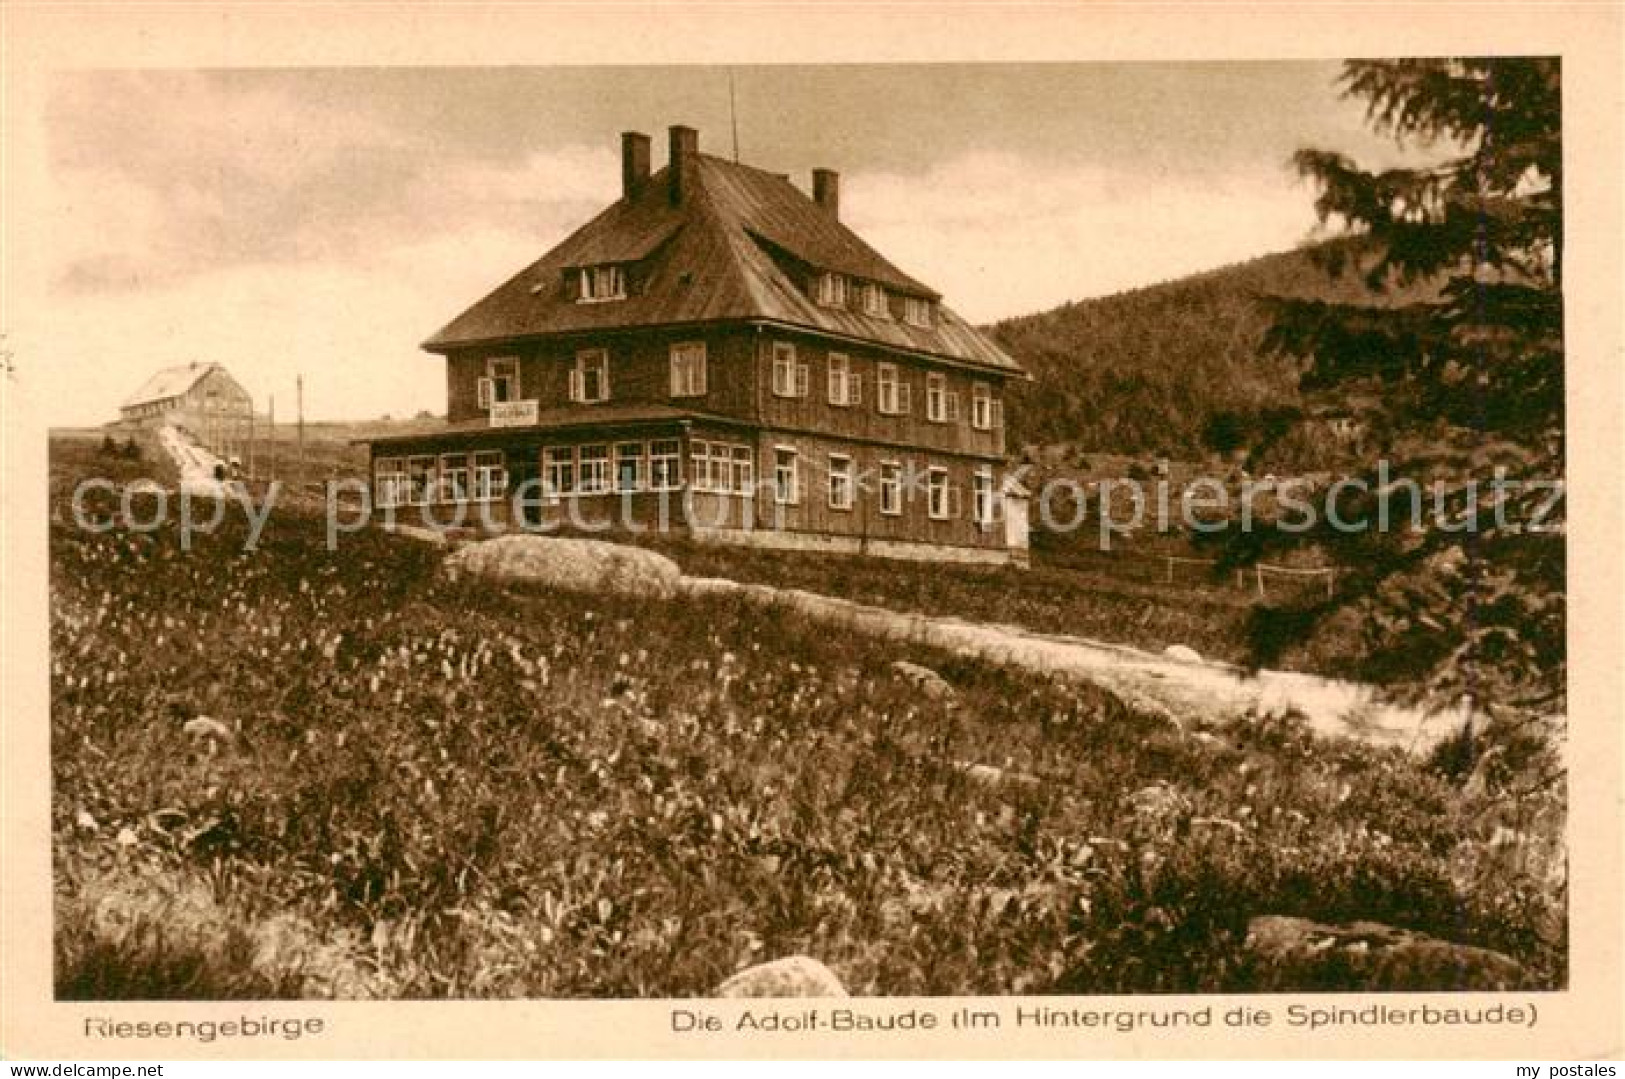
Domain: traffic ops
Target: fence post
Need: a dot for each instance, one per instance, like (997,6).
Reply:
(1258,575)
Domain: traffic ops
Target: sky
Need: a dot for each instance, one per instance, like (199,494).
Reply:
(324,222)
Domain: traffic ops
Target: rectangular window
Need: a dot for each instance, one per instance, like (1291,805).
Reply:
(917,311)
(789,373)
(392,485)
(589,379)
(501,380)
(598,284)
(840,482)
(453,477)
(981,406)
(420,479)
(704,466)
(845,387)
(744,471)
(786,476)
(891,391)
(936,398)
(891,488)
(665,465)
(939,501)
(559,470)
(874,300)
(984,503)
(688,369)
(831,290)
(629,474)
(490,476)
(594,465)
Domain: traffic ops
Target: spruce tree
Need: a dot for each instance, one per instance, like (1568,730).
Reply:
(1462,389)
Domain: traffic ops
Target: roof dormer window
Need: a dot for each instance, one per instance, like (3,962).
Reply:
(917,311)
(831,290)
(600,284)
(873,296)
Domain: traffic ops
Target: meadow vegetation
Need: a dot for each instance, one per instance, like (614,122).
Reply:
(419,787)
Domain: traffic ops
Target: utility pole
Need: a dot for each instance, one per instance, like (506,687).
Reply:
(272,418)
(299,389)
(733,114)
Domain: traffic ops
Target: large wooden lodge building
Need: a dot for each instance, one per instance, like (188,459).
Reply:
(716,352)
(201,399)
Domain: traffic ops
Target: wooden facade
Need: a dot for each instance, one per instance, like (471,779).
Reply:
(717,354)
(202,399)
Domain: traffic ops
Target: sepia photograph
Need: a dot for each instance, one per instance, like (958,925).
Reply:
(1090,534)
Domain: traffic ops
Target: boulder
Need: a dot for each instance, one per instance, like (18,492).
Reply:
(1180,654)
(1296,954)
(577,565)
(207,727)
(924,679)
(792,976)
(1159,800)
(989,776)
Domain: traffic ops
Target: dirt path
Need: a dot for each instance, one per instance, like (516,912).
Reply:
(198,467)
(1178,687)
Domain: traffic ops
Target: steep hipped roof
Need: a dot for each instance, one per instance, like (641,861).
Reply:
(714,260)
(169,382)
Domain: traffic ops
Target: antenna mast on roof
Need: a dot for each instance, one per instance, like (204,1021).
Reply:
(733,114)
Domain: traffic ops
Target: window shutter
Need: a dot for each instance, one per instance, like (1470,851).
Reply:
(998,413)
(955,507)
(482,392)
(902,397)
(835,396)
(575,384)
(854,389)
(801,380)
(953,407)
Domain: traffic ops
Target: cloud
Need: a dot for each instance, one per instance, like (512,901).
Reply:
(188,218)
(998,234)
(351,330)
(211,173)
(1001,235)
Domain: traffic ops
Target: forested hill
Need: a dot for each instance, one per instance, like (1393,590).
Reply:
(1145,371)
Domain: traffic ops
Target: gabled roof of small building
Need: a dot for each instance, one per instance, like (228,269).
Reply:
(169,382)
(717,255)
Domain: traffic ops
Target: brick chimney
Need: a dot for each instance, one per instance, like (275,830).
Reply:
(634,162)
(685,143)
(827,191)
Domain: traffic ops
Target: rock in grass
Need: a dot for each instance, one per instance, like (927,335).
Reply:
(988,776)
(792,976)
(1298,954)
(1159,800)
(924,679)
(1180,654)
(576,565)
(207,727)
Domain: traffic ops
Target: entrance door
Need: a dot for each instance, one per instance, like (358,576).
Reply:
(524,478)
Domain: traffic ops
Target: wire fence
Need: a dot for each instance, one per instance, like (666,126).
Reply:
(1263,581)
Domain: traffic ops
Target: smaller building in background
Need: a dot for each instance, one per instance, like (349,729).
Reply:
(201,399)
